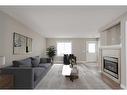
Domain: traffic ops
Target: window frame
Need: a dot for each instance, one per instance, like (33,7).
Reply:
(91,49)
(62,54)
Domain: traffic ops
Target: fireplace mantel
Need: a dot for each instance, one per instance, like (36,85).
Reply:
(111,47)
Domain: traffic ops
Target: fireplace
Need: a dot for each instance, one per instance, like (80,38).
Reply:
(110,66)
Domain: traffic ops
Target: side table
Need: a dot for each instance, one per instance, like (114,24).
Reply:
(6,81)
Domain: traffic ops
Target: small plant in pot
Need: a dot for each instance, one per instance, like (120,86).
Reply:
(51,52)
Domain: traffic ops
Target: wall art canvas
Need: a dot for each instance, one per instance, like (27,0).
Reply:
(21,44)
(29,44)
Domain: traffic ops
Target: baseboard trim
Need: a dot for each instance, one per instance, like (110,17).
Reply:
(91,61)
(123,86)
(81,61)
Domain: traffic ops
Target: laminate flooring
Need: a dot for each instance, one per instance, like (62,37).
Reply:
(89,78)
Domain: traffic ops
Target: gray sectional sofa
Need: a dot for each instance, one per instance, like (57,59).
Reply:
(28,72)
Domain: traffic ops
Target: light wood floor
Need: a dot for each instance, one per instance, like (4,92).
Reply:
(89,78)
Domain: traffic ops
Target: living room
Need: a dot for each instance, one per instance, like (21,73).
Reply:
(93,34)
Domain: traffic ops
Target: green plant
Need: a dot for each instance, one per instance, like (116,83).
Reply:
(51,52)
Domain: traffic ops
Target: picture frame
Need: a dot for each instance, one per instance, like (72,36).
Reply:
(21,44)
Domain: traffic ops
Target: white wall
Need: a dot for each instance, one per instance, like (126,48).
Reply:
(78,46)
(8,26)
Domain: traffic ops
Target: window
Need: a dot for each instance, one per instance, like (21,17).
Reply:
(91,47)
(63,48)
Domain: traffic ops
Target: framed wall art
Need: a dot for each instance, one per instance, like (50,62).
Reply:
(21,44)
(28,44)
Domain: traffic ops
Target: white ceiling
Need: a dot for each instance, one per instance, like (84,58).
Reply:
(65,21)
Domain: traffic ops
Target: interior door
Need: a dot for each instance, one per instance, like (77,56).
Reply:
(91,51)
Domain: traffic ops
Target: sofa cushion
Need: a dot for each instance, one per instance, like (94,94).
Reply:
(48,60)
(37,72)
(22,63)
(35,61)
(46,65)
(45,60)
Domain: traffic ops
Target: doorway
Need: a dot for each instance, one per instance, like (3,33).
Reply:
(91,51)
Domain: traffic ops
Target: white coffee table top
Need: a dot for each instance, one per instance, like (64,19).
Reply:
(66,71)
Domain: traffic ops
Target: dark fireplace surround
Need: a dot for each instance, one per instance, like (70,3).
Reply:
(110,66)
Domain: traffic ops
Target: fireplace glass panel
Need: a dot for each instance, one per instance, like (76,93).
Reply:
(111,65)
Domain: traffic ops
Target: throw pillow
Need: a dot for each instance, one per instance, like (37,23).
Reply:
(35,61)
(24,63)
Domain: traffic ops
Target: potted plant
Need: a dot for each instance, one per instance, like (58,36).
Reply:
(51,52)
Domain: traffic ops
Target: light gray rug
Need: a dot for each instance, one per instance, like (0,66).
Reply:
(89,78)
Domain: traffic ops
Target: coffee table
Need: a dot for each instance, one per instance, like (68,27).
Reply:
(72,73)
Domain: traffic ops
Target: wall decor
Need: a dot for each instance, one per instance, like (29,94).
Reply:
(28,44)
(21,44)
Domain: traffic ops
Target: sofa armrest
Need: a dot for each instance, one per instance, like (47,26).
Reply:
(45,60)
(23,76)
